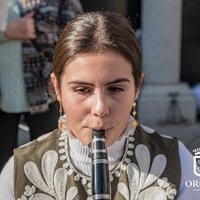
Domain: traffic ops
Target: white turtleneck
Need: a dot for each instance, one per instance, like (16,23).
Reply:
(79,153)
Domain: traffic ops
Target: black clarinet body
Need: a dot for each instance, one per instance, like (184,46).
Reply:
(100,169)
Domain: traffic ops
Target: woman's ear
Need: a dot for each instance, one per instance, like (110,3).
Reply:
(55,84)
(137,90)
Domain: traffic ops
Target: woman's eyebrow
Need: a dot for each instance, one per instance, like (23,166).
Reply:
(91,84)
(78,82)
(118,81)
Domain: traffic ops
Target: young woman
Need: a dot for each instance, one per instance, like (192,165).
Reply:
(97,77)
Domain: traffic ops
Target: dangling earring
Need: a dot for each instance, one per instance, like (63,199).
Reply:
(60,120)
(134,122)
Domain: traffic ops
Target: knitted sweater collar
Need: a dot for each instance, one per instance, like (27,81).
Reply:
(80,153)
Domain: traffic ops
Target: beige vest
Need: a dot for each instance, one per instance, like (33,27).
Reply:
(149,169)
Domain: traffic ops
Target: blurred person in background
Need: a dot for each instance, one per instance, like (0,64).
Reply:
(26,40)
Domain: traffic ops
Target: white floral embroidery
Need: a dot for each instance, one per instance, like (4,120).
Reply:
(29,191)
(171,192)
(42,137)
(142,176)
(52,182)
(163,182)
(147,129)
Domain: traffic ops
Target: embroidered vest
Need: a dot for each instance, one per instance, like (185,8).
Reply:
(149,169)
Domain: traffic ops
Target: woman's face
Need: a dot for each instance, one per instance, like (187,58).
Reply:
(97,92)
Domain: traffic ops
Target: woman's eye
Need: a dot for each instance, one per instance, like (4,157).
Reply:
(84,91)
(115,89)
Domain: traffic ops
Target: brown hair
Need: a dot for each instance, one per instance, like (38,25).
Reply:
(95,32)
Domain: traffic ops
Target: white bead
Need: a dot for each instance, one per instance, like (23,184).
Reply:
(131,146)
(63,157)
(123,167)
(117,174)
(131,139)
(84,181)
(130,153)
(111,177)
(61,151)
(70,171)
(77,178)
(61,144)
(65,165)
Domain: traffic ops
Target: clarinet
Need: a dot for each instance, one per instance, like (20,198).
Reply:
(100,170)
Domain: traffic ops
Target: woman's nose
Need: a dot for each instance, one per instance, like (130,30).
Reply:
(100,105)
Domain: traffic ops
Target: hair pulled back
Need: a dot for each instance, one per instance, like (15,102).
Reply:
(95,32)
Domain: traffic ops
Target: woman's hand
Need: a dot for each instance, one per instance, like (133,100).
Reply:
(22,29)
